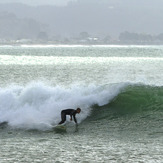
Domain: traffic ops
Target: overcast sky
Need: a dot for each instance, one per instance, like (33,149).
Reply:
(38,2)
(97,17)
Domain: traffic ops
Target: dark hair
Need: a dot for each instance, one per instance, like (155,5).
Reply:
(78,109)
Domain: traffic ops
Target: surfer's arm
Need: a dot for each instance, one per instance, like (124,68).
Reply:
(71,114)
(70,117)
(75,119)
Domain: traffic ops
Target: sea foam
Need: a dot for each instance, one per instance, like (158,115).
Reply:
(38,106)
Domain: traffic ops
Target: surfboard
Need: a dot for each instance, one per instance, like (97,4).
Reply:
(61,127)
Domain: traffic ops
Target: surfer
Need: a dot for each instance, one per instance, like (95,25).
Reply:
(70,112)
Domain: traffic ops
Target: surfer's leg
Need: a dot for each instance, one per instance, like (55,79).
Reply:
(63,117)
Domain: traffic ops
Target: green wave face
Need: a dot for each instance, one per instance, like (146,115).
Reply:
(135,99)
(138,99)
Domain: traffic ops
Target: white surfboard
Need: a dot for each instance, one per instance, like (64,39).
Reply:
(62,127)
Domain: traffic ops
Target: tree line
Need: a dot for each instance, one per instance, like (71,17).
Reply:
(129,36)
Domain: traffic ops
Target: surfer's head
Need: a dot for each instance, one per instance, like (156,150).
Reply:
(78,110)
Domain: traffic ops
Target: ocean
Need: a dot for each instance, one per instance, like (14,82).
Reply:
(118,88)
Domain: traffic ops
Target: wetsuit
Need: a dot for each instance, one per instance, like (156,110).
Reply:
(70,112)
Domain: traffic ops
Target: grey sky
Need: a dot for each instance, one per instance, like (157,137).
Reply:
(38,2)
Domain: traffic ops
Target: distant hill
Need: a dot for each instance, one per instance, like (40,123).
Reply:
(98,18)
(12,27)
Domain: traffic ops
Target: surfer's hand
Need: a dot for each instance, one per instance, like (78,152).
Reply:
(70,119)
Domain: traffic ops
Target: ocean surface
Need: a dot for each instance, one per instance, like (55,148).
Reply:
(118,88)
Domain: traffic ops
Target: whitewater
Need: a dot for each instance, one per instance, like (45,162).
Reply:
(118,88)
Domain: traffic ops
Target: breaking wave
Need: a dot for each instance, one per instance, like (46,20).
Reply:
(38,106)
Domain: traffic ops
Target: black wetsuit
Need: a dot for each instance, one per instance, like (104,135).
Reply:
(70,112)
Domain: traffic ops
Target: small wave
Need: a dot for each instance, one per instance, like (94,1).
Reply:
(52,46)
